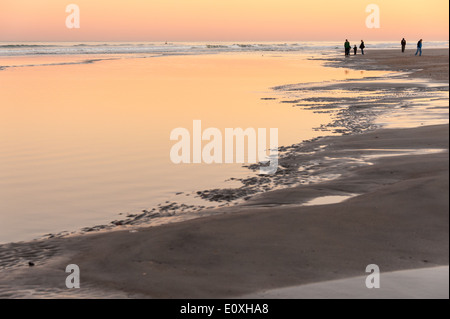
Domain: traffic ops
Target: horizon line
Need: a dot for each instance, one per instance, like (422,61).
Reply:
(387,40)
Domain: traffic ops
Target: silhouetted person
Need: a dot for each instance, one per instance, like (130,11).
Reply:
(362,46)
(347,47)
(419,47)
(403,44)
(355,49)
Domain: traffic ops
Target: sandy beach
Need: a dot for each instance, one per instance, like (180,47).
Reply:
(432,64)
(396,216)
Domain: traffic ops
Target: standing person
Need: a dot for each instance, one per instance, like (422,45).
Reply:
(419,47)
(362,46)
(355,49)
(403,44)
(347,47)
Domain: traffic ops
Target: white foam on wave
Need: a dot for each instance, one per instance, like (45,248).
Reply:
(69,48)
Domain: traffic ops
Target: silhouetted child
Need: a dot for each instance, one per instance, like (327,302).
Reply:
(355,49)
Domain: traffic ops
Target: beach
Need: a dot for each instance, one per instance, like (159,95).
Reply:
(94,139)
(431,65)
(388,205)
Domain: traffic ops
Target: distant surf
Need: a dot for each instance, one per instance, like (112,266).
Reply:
(71,48)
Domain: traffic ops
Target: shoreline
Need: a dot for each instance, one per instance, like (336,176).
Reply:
(429,66)
(226,255)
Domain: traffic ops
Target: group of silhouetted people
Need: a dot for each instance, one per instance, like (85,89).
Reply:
(419,46)
(348,47)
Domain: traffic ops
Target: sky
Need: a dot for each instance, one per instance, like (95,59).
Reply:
(222,20)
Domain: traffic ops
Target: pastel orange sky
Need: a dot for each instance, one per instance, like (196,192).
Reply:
(222,20)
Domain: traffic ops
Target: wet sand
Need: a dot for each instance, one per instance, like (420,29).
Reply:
(427,283)
(433,64)
(83,166)
(399,221)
